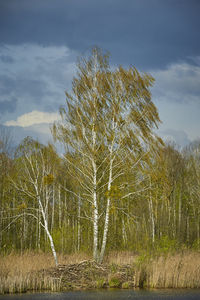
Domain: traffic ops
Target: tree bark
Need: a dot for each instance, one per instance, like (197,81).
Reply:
(106,224)
(47,231)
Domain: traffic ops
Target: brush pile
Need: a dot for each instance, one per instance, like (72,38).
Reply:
(88,274)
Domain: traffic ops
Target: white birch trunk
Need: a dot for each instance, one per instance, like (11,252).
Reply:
(95,216)
(95,204)
(179,214)
(151,216)
(152,220)
(47,231)
(53,209)
(198,231)
(124,235)
(59,208)
(188,228)
(106,224)
(39,229)
(79,225)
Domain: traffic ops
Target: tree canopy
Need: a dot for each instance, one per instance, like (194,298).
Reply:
(117,186)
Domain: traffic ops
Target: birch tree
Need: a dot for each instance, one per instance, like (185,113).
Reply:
(35,174)
(108,121)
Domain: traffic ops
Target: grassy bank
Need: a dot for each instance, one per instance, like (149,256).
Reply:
(179,270)
(36,272)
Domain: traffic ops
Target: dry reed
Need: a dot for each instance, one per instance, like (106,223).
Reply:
(19,273)
(121,258)
(180,270)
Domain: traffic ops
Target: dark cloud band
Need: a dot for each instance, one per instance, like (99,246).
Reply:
(144,33)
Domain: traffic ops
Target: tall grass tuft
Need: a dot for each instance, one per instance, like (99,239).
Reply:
(180,270)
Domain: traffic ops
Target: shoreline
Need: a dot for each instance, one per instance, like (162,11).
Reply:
(171,271)
(137,289)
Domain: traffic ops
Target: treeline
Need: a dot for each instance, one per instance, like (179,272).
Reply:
(117,186)
(161,207)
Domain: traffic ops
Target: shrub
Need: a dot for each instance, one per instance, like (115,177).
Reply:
(100,283)
(126,285)
(114,281)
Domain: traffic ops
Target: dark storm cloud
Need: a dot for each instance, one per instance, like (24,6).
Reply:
(7,84)
(33,88)
(6,59)
(143,32)
(8,106)
(38,77)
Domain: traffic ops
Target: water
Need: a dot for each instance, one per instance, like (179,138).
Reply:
(111,295)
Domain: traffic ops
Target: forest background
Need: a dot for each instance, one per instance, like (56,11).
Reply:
(117,186)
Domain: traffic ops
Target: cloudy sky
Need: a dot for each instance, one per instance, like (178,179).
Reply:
(40,41)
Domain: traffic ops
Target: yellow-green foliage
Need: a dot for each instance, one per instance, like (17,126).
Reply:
(126,285)
(114,267)
(165,245)
(196,244)
(100,283)
(114,281)
(48,179)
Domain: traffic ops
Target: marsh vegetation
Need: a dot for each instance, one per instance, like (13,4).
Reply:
(117,188)
(37,272)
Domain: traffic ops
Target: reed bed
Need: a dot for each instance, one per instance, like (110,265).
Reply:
(121,258)
(20,273)
(180,270)
(27,272)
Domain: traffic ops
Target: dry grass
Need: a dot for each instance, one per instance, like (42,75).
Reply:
(18,273)
(121,258)
(181,270)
